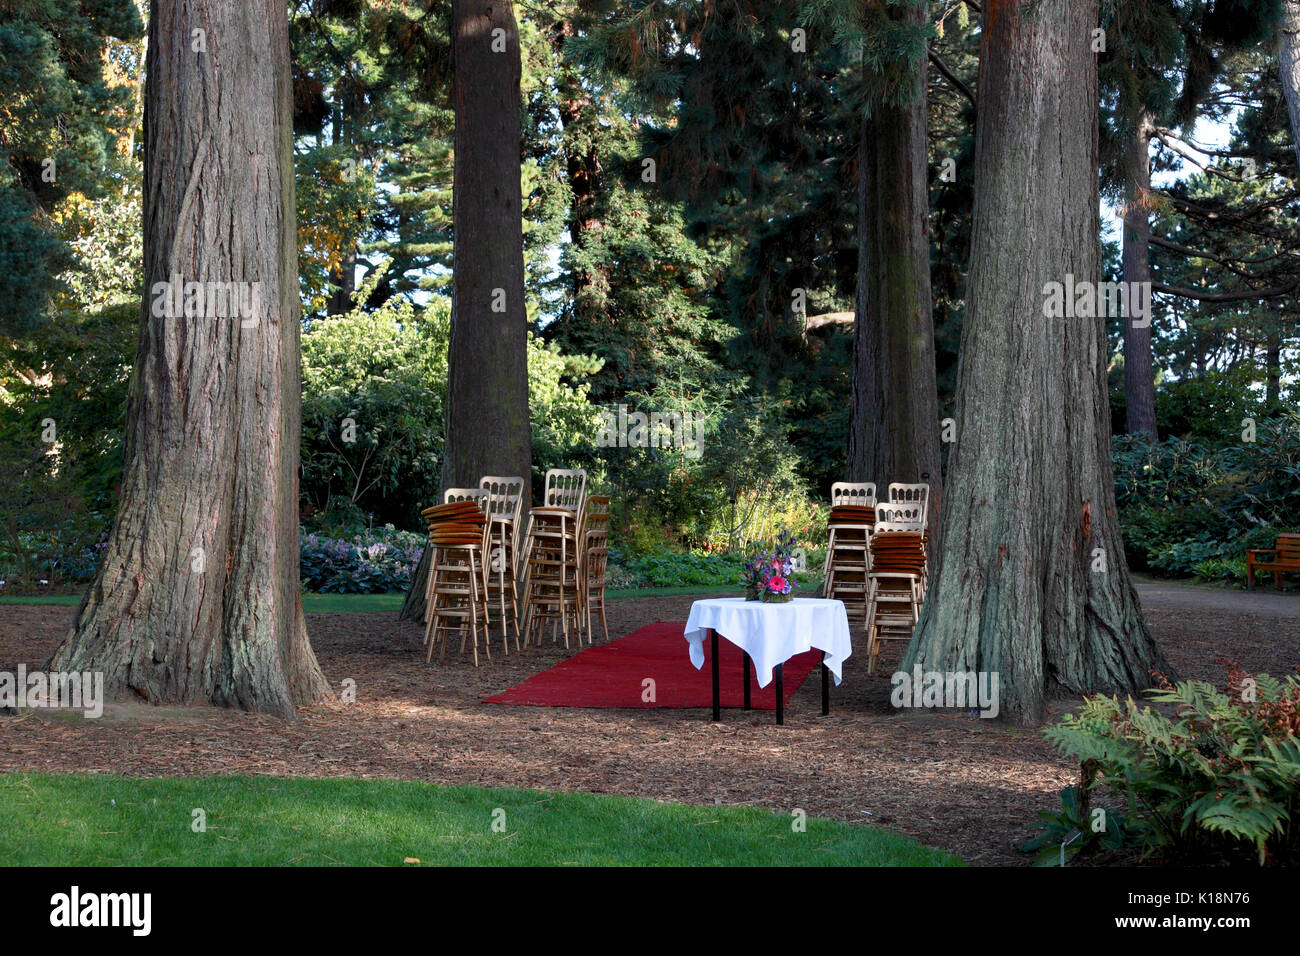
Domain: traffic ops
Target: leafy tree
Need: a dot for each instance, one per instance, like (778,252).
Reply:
(1160,63)
(55,139)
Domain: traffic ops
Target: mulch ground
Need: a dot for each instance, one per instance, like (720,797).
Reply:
(969,786)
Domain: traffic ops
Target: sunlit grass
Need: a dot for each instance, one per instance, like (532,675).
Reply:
(368,603)
(94,820)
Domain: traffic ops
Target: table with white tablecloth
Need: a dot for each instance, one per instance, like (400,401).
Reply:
(770,634)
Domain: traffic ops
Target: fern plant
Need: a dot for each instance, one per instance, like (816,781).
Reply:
(1208,771)
(1079,829)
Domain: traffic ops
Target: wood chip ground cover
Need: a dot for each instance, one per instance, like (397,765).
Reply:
(969,786)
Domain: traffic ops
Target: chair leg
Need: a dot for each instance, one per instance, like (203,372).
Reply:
(474,609)
(429,586)
(430,597)
(514,610)
(505,627)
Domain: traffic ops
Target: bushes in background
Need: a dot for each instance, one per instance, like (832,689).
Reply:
(663,569)
(1188,508)
(370,562)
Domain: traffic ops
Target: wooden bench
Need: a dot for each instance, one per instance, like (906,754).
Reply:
(1284,555)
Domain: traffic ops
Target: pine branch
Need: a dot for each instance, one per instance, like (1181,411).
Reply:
(1232,265)
(950,76)
(1199,296)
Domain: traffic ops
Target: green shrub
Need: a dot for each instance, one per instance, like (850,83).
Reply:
(664,569)
(373,408)
(1184,503)
(1217,776)
(1221,569)
(373,562)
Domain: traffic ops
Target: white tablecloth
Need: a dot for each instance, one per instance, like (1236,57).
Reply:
(773,633)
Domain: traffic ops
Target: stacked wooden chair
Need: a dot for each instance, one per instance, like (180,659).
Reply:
(897,575)
(593,560)
(848,556)
(505,505)
(917,494)
(551,586)
(456,589)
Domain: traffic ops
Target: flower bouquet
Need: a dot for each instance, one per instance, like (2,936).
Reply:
(767,573)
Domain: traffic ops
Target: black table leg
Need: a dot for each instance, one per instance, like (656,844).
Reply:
(780,694)
(826,686)
(745,665)
(717,702)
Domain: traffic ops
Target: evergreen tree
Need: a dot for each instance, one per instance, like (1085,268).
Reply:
(1159,63)
(56,136)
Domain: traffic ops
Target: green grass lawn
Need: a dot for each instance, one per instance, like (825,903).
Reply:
(311,603)
(96,820)
(361,603)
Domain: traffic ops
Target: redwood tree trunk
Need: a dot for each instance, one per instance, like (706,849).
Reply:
(1030,490)
(1139,367)
(196,598)
(1289,66)
(581,128)
(487,391)
(894,434)
(1273,370)
(488,430)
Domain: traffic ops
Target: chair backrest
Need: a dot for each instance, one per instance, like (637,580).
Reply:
(596,516)
(886,526)
(565,488)
(477,495)
(853,493)
(900,493)
(1287,547)
(505,496)
(596,559)
(900,513)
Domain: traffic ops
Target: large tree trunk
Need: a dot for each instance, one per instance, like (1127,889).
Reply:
(580,126)
(1030,492)
(488,429)
(1139,368)
(1289,66)
(343,281)
(487,389)
(894,435)
(1273,370)
(196,598)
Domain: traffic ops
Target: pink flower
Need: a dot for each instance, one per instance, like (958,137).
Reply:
(776,585)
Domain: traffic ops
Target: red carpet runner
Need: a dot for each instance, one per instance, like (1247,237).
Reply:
(613,675)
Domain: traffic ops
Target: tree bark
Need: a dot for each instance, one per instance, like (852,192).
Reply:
(579,126)
(343,277)
(487,390)
(488,431)
(1273,371)
(894,434)
(196,598)
(1017,589)
(1139,367)
(343,282)
(1289,66)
